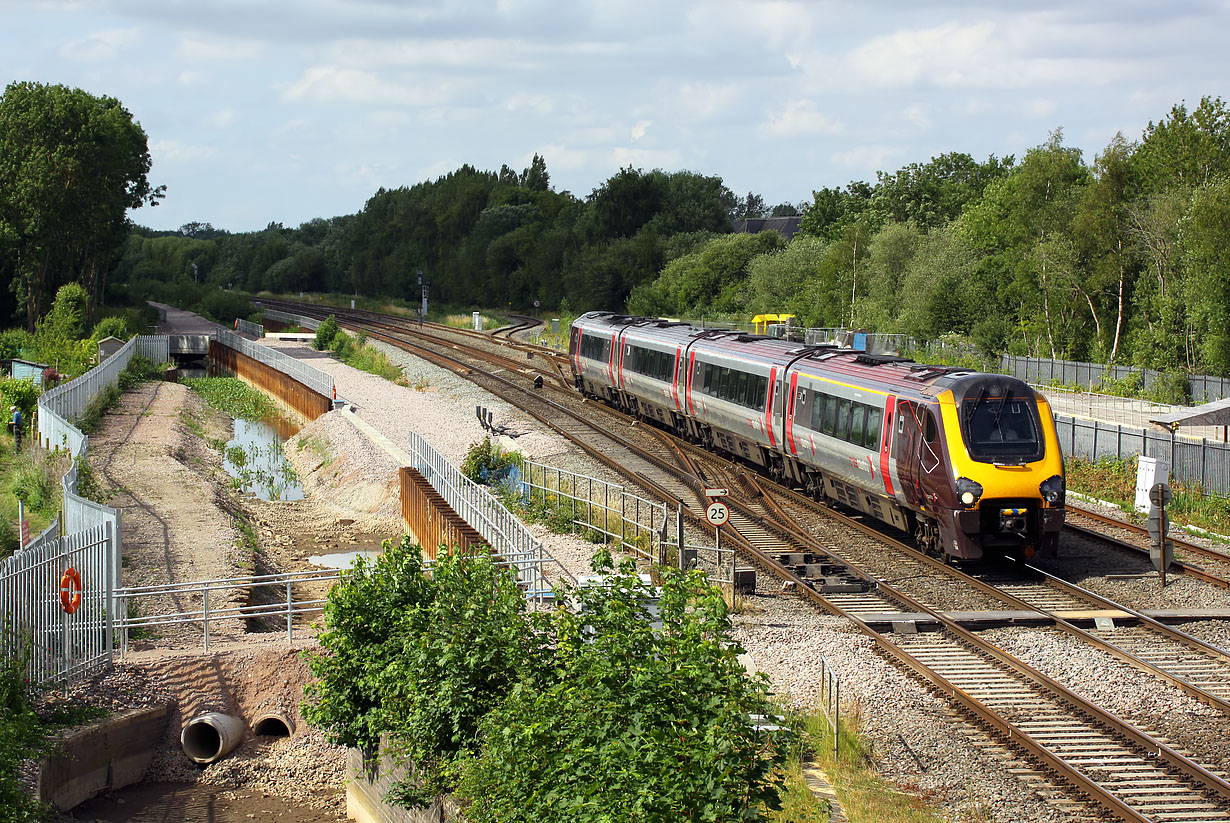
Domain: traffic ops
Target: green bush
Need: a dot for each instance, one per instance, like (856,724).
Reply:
(35,482)
(593,715)
(14,342)
(325,332)
(1172,387)
(632,722)
(485,463)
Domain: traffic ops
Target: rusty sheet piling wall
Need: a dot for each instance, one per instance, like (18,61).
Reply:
(430,519)
(299,397)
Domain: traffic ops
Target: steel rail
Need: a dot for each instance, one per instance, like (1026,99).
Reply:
(1182,545)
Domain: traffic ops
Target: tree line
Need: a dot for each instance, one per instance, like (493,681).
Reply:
(1120,259)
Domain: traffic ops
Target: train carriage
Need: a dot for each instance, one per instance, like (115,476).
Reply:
(963,460)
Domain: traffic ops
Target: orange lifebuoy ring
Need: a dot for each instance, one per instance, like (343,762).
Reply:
(70,590)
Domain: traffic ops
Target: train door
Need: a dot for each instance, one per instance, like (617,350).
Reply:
(907,441)
(919,460)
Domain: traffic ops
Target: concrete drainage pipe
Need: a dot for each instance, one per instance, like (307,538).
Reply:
(209,737)
(272,725)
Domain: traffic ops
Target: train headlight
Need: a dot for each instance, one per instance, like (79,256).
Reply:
(968,491)
(1052,489)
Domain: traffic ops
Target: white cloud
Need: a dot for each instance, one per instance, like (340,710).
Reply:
(221,119)
(560,158)
(706,101)
(1040,107)
(188,77)
(200,48)
(865,159)
(645,158)
(638,131)
(800,118)
(101,45)
(533,102)
(333,84)
(919,114)
(175,151)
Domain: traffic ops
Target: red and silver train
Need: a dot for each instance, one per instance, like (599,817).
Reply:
(965,461)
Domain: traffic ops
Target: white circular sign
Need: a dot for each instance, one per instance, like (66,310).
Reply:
(717,513)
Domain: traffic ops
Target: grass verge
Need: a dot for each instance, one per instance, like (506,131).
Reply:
(1114,480)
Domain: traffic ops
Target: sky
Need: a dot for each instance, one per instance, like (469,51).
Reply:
(260,111)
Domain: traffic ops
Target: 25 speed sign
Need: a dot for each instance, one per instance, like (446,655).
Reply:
(717,513)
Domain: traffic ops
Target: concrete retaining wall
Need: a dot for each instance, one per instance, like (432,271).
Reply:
(369,779)
(108,754)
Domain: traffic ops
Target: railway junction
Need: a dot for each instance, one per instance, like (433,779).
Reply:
(1078,691)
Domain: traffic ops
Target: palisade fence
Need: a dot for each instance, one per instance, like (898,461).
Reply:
(1204,388)
(1201,461)
(57,645)
(504,532)
(87,537)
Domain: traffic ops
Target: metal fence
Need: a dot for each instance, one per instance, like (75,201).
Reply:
(643,528)
(1204,388)
(295,319)
(281,604)
(314,379)
(638,525)
(33,623)
(503,531)
(1192,460)
(246,327)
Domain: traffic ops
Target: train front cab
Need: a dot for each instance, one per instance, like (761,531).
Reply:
(1006,486)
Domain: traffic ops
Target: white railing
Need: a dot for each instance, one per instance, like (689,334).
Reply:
(285,607)
(314,379)
(504,532)
(247,327)
(297,319)
(70,400)
(638,525)
(33,621)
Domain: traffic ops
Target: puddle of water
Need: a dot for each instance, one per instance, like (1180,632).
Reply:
(254,457)
(193,803)
(341,560)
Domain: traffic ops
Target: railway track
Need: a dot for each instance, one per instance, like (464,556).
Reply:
(1210,565)
(1135,775)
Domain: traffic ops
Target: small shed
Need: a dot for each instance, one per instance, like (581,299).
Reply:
(108,346)
(19,368)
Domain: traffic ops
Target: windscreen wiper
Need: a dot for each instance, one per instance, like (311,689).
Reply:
(1000,411)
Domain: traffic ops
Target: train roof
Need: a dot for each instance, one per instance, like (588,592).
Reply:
(885,372)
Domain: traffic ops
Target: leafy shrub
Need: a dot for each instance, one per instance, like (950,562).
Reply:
(23,394)
(325,332)
(1172,387)
(13,343)
(485,463)
(223,306)
(21,736)
(111,327)
(341,345)
(659,718)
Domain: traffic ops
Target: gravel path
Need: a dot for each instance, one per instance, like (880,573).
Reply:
(151,463)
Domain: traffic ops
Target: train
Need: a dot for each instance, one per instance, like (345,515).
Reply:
(967,462)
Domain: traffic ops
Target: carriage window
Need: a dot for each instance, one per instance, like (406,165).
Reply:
(708,382)
(929,430)
(741,390)
(830,415)
(842,432)
(871,434)
(858,415)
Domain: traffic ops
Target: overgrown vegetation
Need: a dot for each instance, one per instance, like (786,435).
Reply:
(24,726)
(355,352)
(233,396)
(1114,480)
(579,716)
(486,463)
